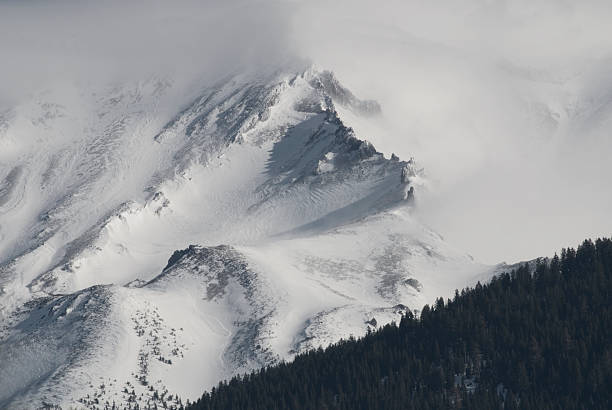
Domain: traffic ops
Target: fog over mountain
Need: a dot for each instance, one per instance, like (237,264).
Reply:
(505,103)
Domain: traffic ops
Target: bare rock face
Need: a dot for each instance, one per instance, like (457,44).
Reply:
(327,83)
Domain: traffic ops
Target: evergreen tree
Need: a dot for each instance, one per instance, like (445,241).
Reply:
(533,338)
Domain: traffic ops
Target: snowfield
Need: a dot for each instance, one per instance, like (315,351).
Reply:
(158,237)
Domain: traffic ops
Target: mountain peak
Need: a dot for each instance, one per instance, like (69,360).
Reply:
(300,233)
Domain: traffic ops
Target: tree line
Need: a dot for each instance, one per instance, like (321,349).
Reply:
(533,338)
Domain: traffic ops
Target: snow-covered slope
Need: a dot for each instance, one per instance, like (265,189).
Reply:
(156,238)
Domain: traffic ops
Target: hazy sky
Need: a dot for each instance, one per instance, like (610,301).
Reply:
(507,105)
(115,40)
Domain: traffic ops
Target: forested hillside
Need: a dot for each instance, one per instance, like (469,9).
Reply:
(528,339)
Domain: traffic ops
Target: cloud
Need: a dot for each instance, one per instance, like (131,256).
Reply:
(506,104)
(62,40)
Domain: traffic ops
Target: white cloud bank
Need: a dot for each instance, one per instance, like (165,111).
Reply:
(508,105)
(44,41)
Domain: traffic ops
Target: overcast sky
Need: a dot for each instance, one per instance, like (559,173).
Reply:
(507,105)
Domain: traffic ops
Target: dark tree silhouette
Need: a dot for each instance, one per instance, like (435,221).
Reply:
(529,339)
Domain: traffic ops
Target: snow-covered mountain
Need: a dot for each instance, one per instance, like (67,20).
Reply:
(157,237)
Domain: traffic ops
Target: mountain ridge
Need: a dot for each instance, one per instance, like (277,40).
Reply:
(300,233)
